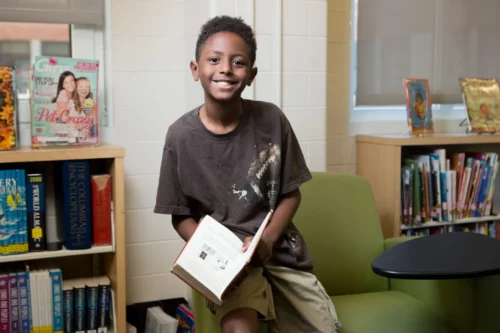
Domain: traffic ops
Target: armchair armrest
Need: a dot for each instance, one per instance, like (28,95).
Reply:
(452,299)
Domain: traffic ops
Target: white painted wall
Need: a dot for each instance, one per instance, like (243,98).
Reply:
(153,42)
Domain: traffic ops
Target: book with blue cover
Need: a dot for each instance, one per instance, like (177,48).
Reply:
(75,206)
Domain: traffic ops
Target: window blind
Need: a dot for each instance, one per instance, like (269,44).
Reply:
(441,40)
(82,12)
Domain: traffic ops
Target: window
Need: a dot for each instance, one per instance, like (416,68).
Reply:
(63,28)
(441,40)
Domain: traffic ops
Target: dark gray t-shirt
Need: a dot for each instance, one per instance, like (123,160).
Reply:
(235,177)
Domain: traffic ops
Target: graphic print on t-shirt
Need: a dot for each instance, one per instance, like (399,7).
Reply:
(263,177)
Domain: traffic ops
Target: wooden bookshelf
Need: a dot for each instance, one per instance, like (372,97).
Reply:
(98,260)
(379,159)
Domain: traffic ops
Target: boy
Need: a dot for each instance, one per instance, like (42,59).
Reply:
(235,160)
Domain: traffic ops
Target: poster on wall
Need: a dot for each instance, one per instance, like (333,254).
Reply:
(418,106)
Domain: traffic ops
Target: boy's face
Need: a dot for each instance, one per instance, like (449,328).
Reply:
(224,67)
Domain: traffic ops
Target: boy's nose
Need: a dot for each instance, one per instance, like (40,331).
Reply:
(225,67)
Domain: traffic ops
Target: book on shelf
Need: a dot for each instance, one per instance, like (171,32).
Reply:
(213,258)
(83,208)
(441,187)
(9,119)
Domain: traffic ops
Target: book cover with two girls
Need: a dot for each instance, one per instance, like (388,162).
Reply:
(64,102)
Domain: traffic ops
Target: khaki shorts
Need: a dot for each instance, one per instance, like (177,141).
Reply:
(289,300)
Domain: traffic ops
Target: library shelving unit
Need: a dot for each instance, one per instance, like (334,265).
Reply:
(379,159)
(99,260)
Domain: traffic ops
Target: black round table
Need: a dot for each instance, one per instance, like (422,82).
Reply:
(454,255)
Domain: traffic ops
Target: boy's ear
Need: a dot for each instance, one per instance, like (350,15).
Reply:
(194,70)
(252,76)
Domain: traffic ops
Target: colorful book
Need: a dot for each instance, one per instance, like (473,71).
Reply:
(65,102)
(101,209)
(35,194)
(9,128)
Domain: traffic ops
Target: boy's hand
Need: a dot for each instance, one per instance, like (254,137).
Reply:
(263,252)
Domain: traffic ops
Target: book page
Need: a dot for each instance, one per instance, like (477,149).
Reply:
(213,256)
(256,239)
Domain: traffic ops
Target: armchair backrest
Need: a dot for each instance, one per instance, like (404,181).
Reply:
(339,222)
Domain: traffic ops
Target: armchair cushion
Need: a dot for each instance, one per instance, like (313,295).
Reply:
(386,312)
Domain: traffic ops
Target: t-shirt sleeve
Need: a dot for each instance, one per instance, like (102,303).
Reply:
(169,197)
(294,170)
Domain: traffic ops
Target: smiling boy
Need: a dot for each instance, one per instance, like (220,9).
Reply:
(236,159)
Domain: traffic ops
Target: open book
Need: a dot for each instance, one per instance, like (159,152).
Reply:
(213,257)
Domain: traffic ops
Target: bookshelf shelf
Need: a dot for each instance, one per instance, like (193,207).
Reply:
(379,158)
(107,260)
(55,254)
(461,221)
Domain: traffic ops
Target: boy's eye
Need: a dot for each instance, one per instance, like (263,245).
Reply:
(213,60)
(239,63)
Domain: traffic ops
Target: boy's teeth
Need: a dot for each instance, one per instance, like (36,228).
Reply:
(223,83)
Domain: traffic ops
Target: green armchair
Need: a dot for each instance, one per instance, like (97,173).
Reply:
(339,221)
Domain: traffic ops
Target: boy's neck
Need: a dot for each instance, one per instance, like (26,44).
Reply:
(221,118)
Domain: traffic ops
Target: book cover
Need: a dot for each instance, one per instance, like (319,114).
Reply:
(80,306)
(57,302)
(101,209)
(22,212)
(14,303)
(35,194)
(482,101)
(103,304)
(418,106)
(76,205)
(9,128)
(68,303)
(185,317)
(4,303)
(23,302)
(91,292)
(65,103)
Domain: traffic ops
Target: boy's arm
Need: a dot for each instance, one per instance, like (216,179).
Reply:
(185,226)
(284,213)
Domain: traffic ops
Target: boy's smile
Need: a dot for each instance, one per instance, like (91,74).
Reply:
(224,67)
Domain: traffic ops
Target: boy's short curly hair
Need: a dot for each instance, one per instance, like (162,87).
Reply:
(229,24)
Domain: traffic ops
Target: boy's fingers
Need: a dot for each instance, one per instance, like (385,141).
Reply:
(246,243)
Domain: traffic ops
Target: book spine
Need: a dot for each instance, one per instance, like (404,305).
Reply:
(77,206)
(101,209)
(57,306)
(91,308)
(31,305)
(103,310)
(79,296)
(36,212)
(14,303)
(4,304)
(23,302)
(68,306)
(3,209)
(10,213)
(23,214)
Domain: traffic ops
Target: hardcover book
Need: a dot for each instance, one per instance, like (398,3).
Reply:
(213,258)
(418,106)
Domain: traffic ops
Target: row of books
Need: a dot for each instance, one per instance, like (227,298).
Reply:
(83,202)
(37,299)
(491,229)
(440,187)
(63,102)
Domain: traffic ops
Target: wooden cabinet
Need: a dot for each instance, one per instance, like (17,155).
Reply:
(379,159)
(99,260)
